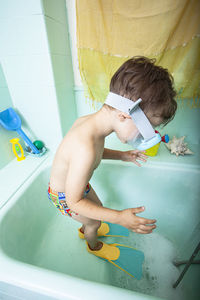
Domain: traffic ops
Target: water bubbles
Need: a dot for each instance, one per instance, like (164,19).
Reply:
(158,270)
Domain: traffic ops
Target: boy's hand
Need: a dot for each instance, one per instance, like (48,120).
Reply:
(133,155)
(137,224)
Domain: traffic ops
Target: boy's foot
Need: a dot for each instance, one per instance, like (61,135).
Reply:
(123,257)
(102,231)
(81,230)
(107,229)
(97,247)
(106,251)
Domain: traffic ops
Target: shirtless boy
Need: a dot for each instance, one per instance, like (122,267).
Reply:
(82,149)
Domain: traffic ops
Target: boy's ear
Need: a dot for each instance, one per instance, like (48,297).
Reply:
(123,116)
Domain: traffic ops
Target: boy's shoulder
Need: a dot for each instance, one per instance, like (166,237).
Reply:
(80,143)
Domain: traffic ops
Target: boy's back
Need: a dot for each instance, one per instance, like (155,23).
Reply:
(81,136)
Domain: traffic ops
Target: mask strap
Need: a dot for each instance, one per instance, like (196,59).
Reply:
(136,113)
(122,103)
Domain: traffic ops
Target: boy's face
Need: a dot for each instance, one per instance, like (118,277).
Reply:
(125,128)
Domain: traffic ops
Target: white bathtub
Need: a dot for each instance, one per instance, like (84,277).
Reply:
(41,256)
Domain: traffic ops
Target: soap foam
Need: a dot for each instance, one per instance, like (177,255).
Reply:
(159,273)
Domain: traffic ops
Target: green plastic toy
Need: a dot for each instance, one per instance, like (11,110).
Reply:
(38,144)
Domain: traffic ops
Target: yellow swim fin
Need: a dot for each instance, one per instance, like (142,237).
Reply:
(123,257)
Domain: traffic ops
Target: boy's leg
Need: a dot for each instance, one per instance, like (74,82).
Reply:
(90,226)
(90,231)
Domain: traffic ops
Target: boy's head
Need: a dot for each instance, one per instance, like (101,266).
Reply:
(139,77)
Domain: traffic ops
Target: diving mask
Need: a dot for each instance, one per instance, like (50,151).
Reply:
(146,137)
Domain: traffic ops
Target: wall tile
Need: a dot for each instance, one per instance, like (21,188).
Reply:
(28,69)
(23,35)
(57,37)
(12,8)
(39,112)
(66,107)
(55,9)
(62,69)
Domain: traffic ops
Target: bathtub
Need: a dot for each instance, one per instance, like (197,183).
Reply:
(41,256)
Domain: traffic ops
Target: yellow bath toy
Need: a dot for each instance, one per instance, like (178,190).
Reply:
(153,150)
(16,147)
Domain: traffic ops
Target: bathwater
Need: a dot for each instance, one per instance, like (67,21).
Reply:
(62,250)
(159,273)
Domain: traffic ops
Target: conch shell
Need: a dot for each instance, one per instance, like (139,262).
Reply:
(178,147)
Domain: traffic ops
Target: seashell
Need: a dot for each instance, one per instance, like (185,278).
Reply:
(178,146)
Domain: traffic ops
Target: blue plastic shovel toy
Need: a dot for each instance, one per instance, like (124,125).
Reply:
(10,120)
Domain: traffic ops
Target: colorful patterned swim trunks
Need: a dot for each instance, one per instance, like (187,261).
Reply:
(58,199)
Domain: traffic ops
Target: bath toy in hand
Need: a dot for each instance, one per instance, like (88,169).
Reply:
(10,120)
(17,148)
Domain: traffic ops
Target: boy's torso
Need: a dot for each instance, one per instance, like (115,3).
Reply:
(81,134)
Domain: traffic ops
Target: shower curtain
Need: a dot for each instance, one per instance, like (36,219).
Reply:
(111,31)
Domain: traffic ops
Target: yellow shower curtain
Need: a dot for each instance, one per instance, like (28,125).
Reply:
(111,31)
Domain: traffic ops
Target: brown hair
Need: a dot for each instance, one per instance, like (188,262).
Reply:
(139,77)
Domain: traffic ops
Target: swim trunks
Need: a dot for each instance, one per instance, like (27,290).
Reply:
(58,199)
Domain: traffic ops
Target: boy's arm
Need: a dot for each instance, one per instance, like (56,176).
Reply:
(112,154)
(129,156)
(79,173)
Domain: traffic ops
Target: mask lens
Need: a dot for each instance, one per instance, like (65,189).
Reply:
(136,140)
